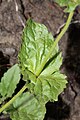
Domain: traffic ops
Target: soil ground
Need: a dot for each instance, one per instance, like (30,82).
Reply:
(50,14)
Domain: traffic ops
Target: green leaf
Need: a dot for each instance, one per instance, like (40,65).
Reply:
(36,44)
(70,4)
(9,81)
(50,86)
(27,107)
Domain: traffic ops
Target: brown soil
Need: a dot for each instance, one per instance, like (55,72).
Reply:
(50,14)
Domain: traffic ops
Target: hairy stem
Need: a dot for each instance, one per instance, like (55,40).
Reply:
(13,99)
(55,43)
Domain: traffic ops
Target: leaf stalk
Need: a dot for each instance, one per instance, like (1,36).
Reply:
(55,43)
(13,99)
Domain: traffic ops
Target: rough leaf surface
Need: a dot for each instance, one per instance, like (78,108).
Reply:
(49,87)
(36,44)
(27,107)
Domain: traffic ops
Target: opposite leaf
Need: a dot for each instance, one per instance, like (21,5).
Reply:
(27,107)
(9,81)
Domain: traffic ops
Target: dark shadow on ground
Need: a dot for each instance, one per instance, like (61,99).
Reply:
(61,110)
(4,63)
(57,110)
(72,58)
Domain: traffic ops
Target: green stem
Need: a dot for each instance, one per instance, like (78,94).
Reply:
(13,99)
(55,43)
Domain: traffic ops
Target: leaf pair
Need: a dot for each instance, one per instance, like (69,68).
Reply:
(42,87)
(36,44)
